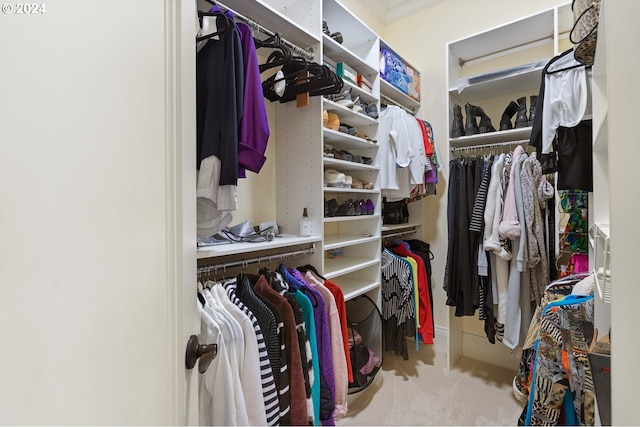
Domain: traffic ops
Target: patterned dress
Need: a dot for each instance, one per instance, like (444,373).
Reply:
(561,368)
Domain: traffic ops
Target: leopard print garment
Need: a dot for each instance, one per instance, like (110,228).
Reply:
(584,33)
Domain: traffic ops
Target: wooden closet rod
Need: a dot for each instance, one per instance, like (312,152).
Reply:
(257,260)
(307,53)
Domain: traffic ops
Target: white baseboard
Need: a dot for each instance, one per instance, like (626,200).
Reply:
(479,348)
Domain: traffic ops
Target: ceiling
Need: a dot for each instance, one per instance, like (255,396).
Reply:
(389,11)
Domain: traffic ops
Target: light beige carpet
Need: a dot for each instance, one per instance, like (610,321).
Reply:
(419,391)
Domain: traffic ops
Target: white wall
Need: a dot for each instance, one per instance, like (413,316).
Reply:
(356,7)
(90,242)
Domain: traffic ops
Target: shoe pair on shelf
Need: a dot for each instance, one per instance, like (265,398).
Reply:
(346,100)
(471,125)
(349,208)
(337,36)
(331,152)
(520,108)
(334,178)
(332,121)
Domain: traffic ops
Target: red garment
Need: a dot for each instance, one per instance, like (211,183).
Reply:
(424,309)
(298,394)
(428,149)
(342,312)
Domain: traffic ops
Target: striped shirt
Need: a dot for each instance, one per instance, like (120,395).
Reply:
(269,391)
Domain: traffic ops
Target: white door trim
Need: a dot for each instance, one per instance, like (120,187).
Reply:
(180,145)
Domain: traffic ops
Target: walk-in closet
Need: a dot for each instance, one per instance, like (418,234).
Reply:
(301,212)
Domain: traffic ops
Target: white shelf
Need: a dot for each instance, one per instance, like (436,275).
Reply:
(347,115)
(338,53)
(350,218)
(517,82)
(365,96)
(353,287)
(345,265)
(345,140)
(274,19)
(349,190)
(344,165)
(600,133)
(334,241)
(520,134)
(522,32)
(399,227)
(282,241)
(601,244)
(388,90)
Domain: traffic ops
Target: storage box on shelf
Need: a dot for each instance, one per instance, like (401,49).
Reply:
(399,73)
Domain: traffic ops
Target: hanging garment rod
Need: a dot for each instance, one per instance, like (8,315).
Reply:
(470,148)
(412,230)
(307,53)
(391,101)
(257,260)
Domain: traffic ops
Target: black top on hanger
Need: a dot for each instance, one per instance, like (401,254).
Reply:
(226,24)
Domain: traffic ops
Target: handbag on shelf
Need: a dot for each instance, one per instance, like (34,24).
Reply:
(584,34)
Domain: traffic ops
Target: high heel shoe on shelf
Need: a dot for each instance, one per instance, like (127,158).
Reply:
(346,209)
(330,208)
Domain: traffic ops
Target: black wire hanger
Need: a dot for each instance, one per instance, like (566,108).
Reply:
(562,55)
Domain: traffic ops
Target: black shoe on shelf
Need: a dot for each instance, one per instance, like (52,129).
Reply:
(485,124)
(533,100)
(457,126)
(521,118)
(509,112)
(470,126)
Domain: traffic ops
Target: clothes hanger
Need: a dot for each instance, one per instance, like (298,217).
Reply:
(226,27)
(280,56)
(309,267)
(562,55)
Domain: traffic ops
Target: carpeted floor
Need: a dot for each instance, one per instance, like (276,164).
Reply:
(419,391)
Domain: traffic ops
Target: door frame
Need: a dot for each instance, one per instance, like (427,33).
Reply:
(180,145)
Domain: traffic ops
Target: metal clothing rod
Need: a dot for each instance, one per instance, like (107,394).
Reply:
(391,101)
(399,233)
(492,145)
(299,50)
(257,260)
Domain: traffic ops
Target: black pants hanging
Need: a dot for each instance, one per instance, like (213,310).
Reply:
(462,253)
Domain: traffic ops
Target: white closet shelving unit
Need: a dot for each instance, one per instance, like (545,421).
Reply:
(476,74)
(297,136)
(600,232)
(300,139)
(356,239)
(615,210)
